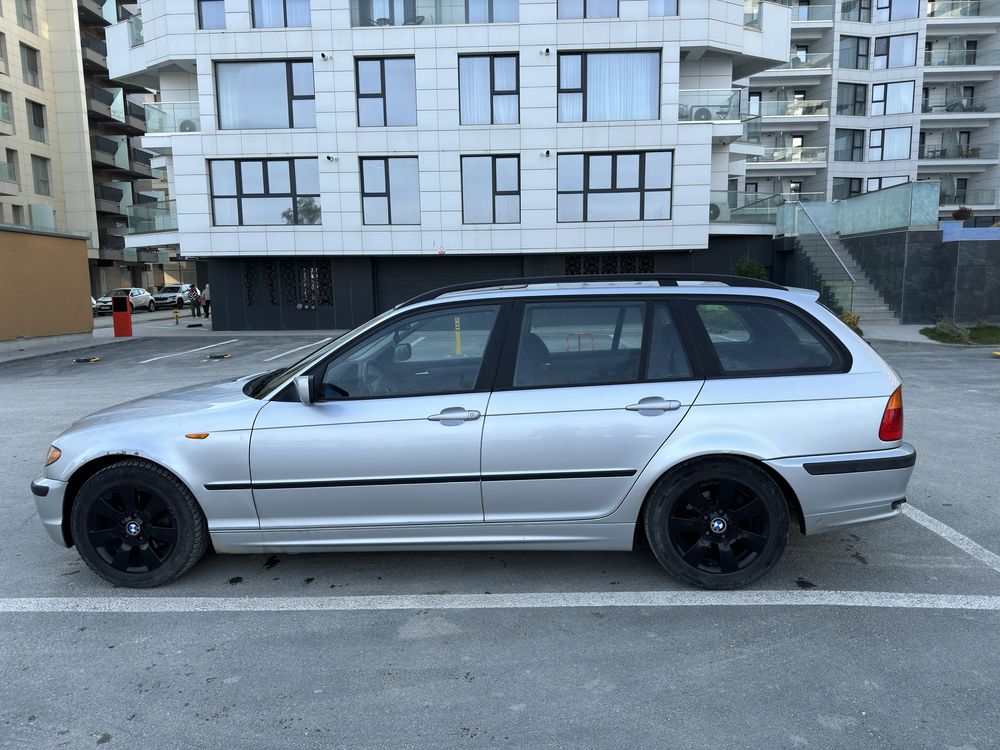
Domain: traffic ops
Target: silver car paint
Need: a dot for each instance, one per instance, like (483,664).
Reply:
(779,421)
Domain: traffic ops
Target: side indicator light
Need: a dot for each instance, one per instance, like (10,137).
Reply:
(53,456)
(891,428)
(197,435)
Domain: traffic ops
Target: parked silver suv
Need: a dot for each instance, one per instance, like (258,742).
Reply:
(708,414)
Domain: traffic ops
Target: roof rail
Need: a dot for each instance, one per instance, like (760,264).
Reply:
(663,279)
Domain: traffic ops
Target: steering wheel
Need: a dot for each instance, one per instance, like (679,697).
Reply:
(373,378)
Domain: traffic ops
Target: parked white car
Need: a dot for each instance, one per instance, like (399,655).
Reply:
(139,299)
(172,295)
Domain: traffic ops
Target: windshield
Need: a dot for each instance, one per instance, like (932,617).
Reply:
(169,289)
(118,293)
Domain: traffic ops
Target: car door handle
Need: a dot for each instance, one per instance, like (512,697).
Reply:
(654,403)
(455,414)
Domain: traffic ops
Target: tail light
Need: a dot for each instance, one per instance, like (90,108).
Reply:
(891,428)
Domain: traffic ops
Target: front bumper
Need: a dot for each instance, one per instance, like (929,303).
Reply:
(848,489)
(49,494)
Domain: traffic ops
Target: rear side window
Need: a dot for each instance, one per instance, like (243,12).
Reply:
(579,343)
(667,359)
(752,338)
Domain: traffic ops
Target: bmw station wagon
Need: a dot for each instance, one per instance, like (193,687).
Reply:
(707,414)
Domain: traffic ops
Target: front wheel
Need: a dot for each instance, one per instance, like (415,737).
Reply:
(718,524)
(136,525)
(151,307)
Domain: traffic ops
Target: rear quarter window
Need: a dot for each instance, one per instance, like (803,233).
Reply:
(756,338)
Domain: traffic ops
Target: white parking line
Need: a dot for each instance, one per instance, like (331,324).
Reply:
(658,599)
(958,539)
(189,351)
(297,349)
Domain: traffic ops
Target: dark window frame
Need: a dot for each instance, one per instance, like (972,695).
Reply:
(36,56)
(890,7)
(494,192)
(201,18)
(388,188)
(27,21)
(490,14)
(855,102)
(858,144)
(858,54)
(641,189)
(46,164)
(382,95)
(881,145)
(516,91)
(45,120)
(284,17)
(289,89)
(885,97)
(887,40)
(583,54)
(863,14)
(241,193)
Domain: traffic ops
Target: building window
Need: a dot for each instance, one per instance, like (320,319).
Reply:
(490,11)
(26,14)
(390,190)
(491,189)
(846,187)
(31,66)
(18,214)
(896,10)
(256,95)
(488,88)
(854,52)
(276,14)
(40,175)
(892,98)
(852,99)
(880,183)
(262,192)
(387,91)
(595,86)
(615,186)
(659,8)
(889,144)
(6,107)
(856,10)
(4,68)
(895,51)
(211,14)
(849,145)
(11,157)
(587,9)
(36,121)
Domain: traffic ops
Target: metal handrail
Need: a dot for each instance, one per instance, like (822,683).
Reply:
(820,233)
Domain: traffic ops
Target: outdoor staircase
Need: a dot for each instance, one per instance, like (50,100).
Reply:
(867,302)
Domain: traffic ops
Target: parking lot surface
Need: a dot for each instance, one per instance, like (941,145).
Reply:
(877,636)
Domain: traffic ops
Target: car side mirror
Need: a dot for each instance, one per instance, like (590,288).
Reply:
(304,389)
(402,352)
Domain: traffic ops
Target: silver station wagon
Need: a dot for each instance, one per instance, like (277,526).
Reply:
(706,413)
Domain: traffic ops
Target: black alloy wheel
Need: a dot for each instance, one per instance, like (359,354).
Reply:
(131,528)
(718,523)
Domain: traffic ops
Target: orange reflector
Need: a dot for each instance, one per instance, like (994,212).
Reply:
(891,428)
(53,456)
(197,435)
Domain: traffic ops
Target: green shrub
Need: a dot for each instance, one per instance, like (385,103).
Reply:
(853,321)
(750,269)
(961,213)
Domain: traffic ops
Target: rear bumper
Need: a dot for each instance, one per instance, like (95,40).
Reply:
(49,495)
(848,489)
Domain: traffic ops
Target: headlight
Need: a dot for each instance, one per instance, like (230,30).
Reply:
(53,456)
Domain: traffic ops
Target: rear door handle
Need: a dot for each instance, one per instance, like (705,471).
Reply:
(654,405)
(455,414)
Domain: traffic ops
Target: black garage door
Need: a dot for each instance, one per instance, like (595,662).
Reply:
(399,279)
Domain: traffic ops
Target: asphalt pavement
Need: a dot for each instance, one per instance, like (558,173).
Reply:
(877,636)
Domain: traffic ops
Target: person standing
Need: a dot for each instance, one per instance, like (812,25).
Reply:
(206,296)
(194,297)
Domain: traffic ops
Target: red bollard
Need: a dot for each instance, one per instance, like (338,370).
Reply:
(121,313)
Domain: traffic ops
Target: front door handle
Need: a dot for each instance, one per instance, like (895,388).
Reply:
(455,414)
(654,405)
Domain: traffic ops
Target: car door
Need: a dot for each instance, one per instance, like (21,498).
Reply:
(394,435)
(589,391)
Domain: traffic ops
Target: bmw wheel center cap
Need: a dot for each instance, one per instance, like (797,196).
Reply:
(133,528)
(718,525)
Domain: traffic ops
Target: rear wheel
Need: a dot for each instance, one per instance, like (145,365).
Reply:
(718,524)
(135,524)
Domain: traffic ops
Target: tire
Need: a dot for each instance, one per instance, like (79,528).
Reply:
(151,307)
(717,524)
(169,536)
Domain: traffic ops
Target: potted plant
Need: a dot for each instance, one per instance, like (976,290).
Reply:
(962,213)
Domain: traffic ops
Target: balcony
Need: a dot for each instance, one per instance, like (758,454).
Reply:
(805,159)
(135,116)
(135,37)
(105,104)
(965,106)
(140,163)
(8,179)
(145,218)
(706,105)
(986,152)
(961,58)
(802,69)
(963,8)
(95,52)
(92,12)
(109,199)
(971,198)
(431,12)
(817,12)
(109,152)
(799,108)
(172,117)
(729,207)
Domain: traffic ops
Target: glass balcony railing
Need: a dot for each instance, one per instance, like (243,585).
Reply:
(751,130)
(729,207)
(812,12)
(960,106)
(961,57)
(962,8)
(796,108)
(429,12)
(790,155)
(958,151)
(135,37)
(144,218)
(172,117)
(708,104)
(806,61)
(969,198)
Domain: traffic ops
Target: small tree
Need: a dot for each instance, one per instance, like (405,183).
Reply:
(750,269)
(309,212)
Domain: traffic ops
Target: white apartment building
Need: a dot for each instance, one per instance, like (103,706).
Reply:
(329,158)
(879,92)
